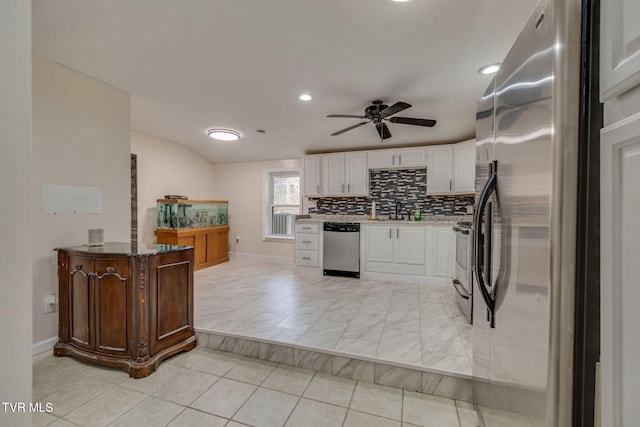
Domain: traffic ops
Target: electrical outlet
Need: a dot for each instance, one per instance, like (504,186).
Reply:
(50,303)
(237,239)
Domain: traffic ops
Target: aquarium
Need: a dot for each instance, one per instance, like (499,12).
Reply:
(177,214)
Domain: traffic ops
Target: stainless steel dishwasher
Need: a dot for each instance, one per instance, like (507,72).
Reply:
(341,249)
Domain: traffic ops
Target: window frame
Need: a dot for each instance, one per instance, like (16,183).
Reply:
(268,205)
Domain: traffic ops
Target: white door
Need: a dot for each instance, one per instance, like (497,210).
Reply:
(333,174)
(412,157)
(409,245)
(464,180)
(381,159)
(619,206)
(379,244)
(443,251)
(311,171)
(439,170)
(356,164)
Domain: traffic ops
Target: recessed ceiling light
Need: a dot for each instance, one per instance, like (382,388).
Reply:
(305,97)
(489,69)
(224,134)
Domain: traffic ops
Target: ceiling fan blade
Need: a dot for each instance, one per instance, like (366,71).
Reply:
(412,121)
(393,109)
(383,130)
(348,129)
(347,116)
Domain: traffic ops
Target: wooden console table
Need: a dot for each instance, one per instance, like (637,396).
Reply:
(125,307)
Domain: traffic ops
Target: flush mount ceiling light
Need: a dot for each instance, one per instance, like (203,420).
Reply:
(305,97)
(489,69)
(224,134)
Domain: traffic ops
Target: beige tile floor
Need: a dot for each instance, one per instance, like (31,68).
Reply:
(411,324)
(210,388)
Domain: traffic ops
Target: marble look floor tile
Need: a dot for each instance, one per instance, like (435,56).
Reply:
(192,418)
(41,419)
(186,359)
(404,320)
(289,379)
(186,387)
(266,408)
(361,419)
(224,398)
(458,363)
(51,380)
(330,389)
(151,412)
(378,400)
(216,363)
(251,371)
(107,407)
(71,396)
(422,409)
(311,412)
(400,346)
(287,335)
(247,298)
(467,414)
(357,346)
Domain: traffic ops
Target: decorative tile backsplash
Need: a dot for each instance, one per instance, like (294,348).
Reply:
(387,187)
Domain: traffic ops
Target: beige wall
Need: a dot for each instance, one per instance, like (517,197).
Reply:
(15,245)
(80,138)
(165,167)
(242,184)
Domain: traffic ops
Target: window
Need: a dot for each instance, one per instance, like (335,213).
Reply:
(282,203)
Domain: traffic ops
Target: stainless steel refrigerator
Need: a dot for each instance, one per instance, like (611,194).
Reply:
(525,225)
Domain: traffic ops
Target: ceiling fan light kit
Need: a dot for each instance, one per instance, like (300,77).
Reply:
(377,112)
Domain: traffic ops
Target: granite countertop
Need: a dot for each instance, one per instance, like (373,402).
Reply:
(426,220)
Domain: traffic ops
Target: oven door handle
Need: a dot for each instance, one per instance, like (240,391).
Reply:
(460,230)
(460,289)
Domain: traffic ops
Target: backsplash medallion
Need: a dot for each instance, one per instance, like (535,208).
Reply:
(409,186)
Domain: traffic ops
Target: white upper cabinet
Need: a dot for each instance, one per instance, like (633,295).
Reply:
(451,168)
(311,167)
(356,173)
(464,154)
(440,170)
(345,174)
(399,158)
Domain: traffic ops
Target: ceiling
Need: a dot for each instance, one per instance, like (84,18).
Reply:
(197,64)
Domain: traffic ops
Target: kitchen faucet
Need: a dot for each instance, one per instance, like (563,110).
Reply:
(398,206)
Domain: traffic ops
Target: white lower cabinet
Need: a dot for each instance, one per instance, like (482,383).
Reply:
(395,249)
(443,248)
(308,243)
(417,250)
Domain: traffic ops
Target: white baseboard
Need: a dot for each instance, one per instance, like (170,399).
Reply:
(243,256)
(43,346)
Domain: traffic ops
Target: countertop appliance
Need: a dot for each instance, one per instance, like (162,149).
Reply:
(463,278)
(341,249)
(525,228)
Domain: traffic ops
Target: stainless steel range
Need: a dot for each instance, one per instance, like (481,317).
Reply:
(463,278)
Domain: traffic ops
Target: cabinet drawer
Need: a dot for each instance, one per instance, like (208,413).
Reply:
(308,228)
(307,241)
(307,258)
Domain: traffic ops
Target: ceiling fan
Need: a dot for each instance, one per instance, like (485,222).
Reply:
(377,112)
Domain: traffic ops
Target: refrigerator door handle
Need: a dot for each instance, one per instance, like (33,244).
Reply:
(485,195)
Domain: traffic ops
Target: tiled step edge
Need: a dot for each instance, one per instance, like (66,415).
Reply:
(363,370)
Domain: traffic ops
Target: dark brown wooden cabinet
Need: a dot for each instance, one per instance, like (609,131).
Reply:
(211,243)
(125,308)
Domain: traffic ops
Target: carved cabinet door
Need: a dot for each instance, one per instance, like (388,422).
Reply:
(112,303)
